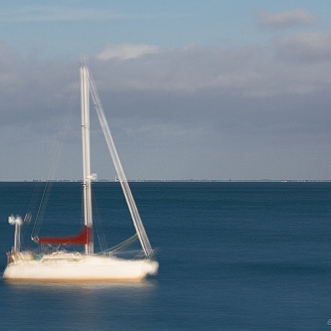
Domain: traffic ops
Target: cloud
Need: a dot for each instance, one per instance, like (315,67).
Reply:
(192,112)
(31,89)
(126,51)
(246,71)
(286,19)
(183,70)
(305,46)
(58,13)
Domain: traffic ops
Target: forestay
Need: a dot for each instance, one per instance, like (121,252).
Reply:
(119,170)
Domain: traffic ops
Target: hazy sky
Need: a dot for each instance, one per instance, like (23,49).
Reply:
(191,89)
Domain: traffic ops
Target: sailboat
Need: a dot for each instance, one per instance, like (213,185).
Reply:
(62,265)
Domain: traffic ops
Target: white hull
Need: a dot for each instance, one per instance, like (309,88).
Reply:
(64,266)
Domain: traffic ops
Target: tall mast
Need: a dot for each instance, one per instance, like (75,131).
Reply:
(85,110)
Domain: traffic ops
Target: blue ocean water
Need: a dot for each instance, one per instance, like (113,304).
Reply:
(233,256)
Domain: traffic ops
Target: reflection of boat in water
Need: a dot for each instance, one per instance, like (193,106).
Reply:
(61,265)
(146,286)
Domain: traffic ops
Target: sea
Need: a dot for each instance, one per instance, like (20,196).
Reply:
(233,256)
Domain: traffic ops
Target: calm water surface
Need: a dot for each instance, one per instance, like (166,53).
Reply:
(233,256)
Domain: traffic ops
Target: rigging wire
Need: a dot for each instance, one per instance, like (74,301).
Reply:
(54,166)
(98,225)
(120,246)
(146,246)
(30,209)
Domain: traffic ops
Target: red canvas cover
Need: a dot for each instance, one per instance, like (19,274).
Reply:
(82,238)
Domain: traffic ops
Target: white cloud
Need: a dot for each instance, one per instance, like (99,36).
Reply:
(306,46)
(57,13)
(247,71)
(186,105)
(126,51)
(286,19)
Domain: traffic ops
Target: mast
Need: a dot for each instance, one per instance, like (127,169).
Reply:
(87,178)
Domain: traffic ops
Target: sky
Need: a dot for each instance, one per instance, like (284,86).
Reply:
(209,89)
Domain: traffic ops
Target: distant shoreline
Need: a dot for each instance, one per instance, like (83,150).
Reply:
(177,181)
